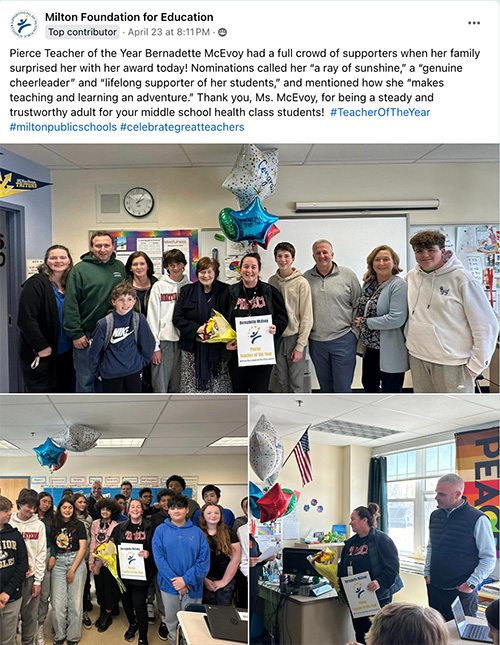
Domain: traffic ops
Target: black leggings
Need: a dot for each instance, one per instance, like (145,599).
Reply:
(372,375)
(106,589)
(253,379)
(134,603)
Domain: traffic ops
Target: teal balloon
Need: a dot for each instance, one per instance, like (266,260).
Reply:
(48,453)
(253,222)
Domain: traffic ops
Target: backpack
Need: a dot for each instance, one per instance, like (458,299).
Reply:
(109,328)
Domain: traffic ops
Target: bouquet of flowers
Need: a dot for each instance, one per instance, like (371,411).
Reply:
(107,553)
(217,330)
(325,563)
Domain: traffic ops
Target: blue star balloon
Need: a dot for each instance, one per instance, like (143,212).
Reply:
(48,453)
(253,222)
(254,494)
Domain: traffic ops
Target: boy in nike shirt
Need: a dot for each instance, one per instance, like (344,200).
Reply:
(122,344)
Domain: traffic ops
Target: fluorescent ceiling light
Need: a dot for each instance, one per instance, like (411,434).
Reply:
(346,428)
(5,445)
(128,442)
(229,441)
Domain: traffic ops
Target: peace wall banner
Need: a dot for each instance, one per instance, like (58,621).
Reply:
(478,464)
(12,183)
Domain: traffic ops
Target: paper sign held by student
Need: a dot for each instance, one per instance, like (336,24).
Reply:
(132,565)
(255,343)
(361,601)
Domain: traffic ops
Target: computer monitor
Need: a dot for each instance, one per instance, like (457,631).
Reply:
(295,562)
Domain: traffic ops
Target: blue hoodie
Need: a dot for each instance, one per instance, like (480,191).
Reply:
(181,551)
(123,356)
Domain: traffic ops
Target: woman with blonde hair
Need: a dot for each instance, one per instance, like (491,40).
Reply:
(382,313)
(407,624)
(225,556)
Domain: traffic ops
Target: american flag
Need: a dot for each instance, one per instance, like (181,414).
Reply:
(302,455)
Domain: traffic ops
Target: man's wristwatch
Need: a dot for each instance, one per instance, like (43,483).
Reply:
(472,586)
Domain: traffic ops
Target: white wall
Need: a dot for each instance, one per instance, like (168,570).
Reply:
(193,197)
(232,477)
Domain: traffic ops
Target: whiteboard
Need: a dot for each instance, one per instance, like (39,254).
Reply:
(353,238)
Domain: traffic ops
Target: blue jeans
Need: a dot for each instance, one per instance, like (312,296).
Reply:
(67,599)
(334,362)
(85,381)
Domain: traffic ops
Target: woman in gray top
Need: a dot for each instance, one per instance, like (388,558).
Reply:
(382,313)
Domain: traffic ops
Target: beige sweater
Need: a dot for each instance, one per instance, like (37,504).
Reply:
(296,293)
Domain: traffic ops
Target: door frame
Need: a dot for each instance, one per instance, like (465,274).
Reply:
(16,264)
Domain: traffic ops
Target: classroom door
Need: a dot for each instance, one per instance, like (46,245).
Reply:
(10,487)
(4,314)
(12,275)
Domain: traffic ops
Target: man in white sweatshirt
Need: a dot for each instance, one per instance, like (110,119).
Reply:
(33,531)
(166,363)
(451,330)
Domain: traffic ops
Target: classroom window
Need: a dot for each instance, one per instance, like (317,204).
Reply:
(411,481)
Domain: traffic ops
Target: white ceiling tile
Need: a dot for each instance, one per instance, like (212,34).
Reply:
(83,156)
(22,399)
(105,413)
(193,429)
(33,415)
(232,450)
(199,411)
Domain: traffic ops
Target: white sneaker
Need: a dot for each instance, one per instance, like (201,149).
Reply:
(39,637)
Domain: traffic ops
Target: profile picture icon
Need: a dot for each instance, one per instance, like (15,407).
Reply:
(24,24)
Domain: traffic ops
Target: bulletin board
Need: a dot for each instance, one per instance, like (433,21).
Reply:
(477,246)
(155,243)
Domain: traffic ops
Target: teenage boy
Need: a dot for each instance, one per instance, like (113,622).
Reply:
(288,375)
(146,497)
(13,567)
(211,495)
(166,363)
(34,534)
(182,557)
(451,330)
(163,497)
(86,300)
(177,484)
(122,344)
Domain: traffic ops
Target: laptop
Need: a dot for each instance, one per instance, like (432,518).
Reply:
(225,623)
(468,631)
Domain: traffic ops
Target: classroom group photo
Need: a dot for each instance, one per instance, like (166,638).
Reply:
(249,393)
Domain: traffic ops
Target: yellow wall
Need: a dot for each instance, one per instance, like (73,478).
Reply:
(193,197)
(340,478)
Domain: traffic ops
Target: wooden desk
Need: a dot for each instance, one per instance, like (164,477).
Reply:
(196,631)
(307,620)
(453,631)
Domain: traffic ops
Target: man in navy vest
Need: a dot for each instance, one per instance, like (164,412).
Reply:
(461,549)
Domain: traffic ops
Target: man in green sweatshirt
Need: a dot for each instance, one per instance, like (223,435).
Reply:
(86,300)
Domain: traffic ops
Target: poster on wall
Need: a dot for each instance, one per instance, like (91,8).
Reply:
(156,243)
(477,464)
